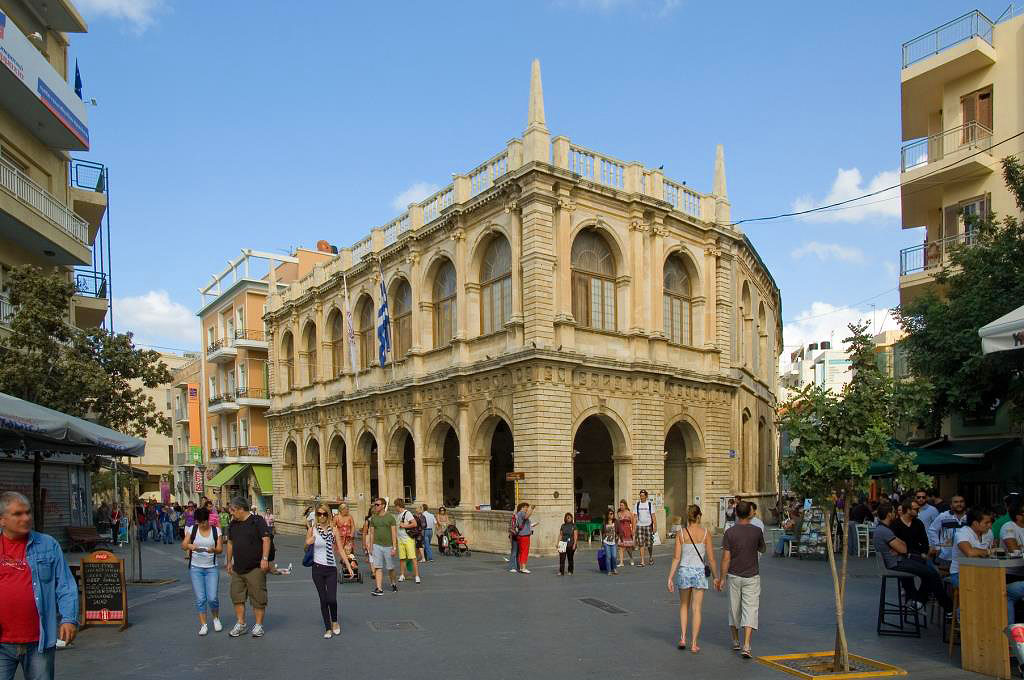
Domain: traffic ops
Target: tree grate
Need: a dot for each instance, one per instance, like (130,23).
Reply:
(602,605)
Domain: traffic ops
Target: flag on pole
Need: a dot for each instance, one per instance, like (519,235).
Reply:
(383,324)
(78,80)
(350,332)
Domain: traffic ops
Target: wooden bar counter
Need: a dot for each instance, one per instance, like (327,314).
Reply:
(984,647)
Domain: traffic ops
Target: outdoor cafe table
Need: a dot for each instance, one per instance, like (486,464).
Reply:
(984,647)
(588,528)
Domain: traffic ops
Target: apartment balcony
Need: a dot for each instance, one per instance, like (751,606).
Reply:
(958,154)
(6,312)
(181,415)
(222,403)
(221,352)
(240,454)
(257,397)
(941,55)
(250,339)
(91,299)
(37,221)
(89,193)
(919,264)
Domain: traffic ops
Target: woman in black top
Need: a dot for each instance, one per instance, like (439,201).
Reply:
(566,534)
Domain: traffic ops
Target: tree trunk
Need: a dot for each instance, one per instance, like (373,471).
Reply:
(841,660)
(37,492)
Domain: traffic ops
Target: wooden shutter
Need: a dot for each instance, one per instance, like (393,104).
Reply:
(984,109)
(951,222)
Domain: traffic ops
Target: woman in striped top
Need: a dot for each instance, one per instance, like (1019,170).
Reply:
(323,536)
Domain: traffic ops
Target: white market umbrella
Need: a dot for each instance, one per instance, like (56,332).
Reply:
(1006,332)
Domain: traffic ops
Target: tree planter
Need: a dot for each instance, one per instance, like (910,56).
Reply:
(815,665)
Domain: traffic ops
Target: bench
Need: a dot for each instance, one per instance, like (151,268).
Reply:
(85,539)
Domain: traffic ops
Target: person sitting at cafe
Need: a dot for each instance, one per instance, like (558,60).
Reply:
(861,513)
(897,556)
(975,540)
(926,512)
(909,529)
(942,528)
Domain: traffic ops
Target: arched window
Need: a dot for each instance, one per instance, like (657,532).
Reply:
(593,282)
(401,312)
(291,467)
(337,326)
(496,286)
(365,333)
(309,353)
(288,360)
(746,354)
(676,302)
(444,304)
(762,340)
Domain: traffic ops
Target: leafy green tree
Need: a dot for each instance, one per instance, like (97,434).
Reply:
(86,373)
(983,280)
(835,439)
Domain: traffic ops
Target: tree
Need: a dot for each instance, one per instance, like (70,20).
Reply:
(84,373)
(836,437)
(983,280)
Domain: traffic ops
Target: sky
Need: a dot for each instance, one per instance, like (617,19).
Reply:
(230,125)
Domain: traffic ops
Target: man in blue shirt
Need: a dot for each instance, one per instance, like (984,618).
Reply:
(38,592)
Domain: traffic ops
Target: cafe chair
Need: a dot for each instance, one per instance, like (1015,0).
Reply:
(954,621)
(864,547)
(896,618)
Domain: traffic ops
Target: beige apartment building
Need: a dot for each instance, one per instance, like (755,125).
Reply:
(187,436)
(578,321)
(961,93)
(158,460)
(52,206)
(234,374)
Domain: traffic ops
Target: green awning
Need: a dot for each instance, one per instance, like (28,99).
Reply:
(226,474)
(929,460)
(264,478)
(975,447)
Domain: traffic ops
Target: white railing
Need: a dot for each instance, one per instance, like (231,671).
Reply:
(597,168)
(361,249)
(974,24)
(44,203)
(581,162)
(6,311)
(395,228)
(433,206)
(682,198)
(483,177)
(927,150)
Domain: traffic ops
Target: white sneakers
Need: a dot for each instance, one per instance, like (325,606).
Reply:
(203,630)
(337,629)
(417,579)
(238,629)
(327,635)
(257,630)
(524,570)
(217,626)
(512,571)
(401,578)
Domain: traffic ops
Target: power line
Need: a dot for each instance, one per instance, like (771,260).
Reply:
(837,204)
(851,306)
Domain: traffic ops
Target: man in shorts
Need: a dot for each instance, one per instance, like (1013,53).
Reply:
(646,526)
(406,543)
(248,561)
(742,546)
(382,539)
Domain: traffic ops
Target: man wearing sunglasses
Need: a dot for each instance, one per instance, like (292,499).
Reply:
(37,591)
(383,542)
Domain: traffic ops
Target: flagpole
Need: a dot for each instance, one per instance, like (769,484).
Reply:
(350,334)
(391,325)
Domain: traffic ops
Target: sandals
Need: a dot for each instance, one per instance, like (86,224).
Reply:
(681,645)
(736,646)
(746,654)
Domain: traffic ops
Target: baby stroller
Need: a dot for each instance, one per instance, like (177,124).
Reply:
(455,542)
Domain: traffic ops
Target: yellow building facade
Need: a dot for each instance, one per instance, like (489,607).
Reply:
(582,321)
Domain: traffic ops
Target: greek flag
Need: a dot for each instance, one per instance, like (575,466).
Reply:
(383,325)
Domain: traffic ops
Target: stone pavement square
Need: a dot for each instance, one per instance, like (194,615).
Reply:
(471,618)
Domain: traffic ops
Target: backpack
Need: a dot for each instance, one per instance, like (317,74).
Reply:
(413,532)
(192,539)
(421,523)
(513,527)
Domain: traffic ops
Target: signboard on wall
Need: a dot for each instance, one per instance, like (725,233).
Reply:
(197,480)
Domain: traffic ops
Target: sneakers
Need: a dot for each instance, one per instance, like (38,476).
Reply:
(336,629)
(238,630)
(401,578)
(327,635)
(513,571)
(376,592)
(417,579)
(203,630)
(524,570)
(505,558)
(394,588)
(257,630)
(217,626)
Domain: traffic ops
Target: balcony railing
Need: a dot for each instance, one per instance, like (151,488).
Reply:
(90,283)
(971,25)
(927,150)
(88,175)
(222,398)
(7,311)
(44,203)
(932,254)
(250,334)
(252,393)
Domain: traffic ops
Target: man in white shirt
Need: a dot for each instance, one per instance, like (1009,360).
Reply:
(646,526)
(975,540)
(428,533)
(925,512)
(755,519)
(406,543)
(942,528)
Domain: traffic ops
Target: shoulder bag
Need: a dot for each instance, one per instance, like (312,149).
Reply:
(707,569)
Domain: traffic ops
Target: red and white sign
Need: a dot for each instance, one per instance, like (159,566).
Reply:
(197,480)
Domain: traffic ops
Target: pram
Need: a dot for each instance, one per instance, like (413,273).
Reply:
(357,574)
(454,543)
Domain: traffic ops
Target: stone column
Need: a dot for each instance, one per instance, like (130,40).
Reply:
(421,491)
(515,228)
(382,456)
(466,499)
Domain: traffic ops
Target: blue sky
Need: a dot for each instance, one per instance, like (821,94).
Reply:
(231,125)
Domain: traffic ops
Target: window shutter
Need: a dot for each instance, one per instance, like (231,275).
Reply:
(969,105)
(985,109)
(950,222)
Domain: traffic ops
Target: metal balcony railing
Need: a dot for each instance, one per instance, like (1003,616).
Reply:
(7,311)
(91,283)
(932,254)
(250,334)
(921,152)
(252,393)
(970,25)
(221,398)
(43,202)
(88,175)
(216,345)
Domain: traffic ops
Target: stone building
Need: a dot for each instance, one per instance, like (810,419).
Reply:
(555,312)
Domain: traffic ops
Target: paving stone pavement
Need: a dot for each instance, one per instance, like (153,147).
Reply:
(471,618)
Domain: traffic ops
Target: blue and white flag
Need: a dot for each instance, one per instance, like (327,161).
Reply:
(383,325)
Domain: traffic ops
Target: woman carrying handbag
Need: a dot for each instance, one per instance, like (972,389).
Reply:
(323,548)
(567,536)
(692,564)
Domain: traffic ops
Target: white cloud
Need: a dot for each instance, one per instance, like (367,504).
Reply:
(824,321)
(414,194)
(155,319)
(829,251)
(139,13)
(850,184)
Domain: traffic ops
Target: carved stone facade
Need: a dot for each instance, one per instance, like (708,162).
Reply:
(588,330)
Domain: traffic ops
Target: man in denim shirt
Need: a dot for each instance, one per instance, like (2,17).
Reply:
(37,591)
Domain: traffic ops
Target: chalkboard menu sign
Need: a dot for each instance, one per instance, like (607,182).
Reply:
(104,596)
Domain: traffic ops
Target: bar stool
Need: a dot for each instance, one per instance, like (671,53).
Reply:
(909,619)
(954,620)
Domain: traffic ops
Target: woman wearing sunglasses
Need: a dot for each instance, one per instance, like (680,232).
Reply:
(326,541)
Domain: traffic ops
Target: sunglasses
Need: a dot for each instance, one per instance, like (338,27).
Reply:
(321,514)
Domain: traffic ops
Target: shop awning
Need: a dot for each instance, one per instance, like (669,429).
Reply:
(1006,332)
(974,448)
(264,477)
(931,461)
(226,474)
(44,429)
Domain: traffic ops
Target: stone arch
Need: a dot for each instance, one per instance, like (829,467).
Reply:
(679,288)
(690,263)
(595,272)
(494,439)
(335,335)
(610,235)
(365,330)
(762,341)
(309,352)
(494,272)
(444,296)
(400,306)
(746,330)
(684,461)
(444,477)
(337,470)
(743,481)
(602,465)
(482,242)
(400,463)
(311,468)
(364,465)
(291,469)
(287,361)
(764,458)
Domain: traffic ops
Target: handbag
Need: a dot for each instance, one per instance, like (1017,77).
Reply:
(657,538)
(707,569)
(307,557)
(563,546)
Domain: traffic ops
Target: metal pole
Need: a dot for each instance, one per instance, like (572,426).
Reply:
(110,278)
